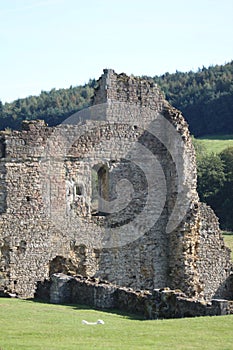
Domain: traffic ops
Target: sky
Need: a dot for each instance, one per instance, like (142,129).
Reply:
(47,44)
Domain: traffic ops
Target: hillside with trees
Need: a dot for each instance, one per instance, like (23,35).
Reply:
(52,106)
(215,182)
(205,97)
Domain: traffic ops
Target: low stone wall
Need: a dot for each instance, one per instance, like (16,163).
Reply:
(160,303)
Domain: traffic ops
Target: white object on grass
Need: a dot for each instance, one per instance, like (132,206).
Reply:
(93,323)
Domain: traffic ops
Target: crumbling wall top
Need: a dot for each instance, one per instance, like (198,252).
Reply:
(31,125)
(123,88)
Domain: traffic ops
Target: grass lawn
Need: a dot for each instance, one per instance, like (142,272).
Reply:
(216,143)
(30,325)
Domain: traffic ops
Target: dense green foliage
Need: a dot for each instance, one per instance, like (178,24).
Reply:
(36,326)
(211,176)
(205,98)
(225,199)
(53,106)
(215,182)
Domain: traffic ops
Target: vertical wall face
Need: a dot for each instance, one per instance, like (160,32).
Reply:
(78,198)
(159,257)
(2,175)
(214,265)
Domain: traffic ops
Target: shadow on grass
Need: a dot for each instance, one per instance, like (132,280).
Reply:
(124,314)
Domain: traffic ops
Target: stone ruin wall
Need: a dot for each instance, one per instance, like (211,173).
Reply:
(40,234)
(156,304)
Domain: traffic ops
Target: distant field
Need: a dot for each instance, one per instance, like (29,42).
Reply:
(216,143)
(38,326)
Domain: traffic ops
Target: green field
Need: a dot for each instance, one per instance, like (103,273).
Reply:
(216,143)
(33,326)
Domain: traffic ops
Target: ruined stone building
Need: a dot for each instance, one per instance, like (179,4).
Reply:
(110,193)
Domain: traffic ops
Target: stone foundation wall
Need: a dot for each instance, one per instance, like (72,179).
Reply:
(163,303)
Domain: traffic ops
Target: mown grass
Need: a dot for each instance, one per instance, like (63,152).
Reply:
(30,325)
(228,239)
(216,143)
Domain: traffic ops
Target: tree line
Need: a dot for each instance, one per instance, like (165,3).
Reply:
(205,97)
(52,106)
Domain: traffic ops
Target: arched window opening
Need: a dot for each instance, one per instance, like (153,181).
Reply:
(100,188)
(78,190)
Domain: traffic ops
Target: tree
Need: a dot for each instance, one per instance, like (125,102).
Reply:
(211,177)
(227,157)
(215,184)
(225,209)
